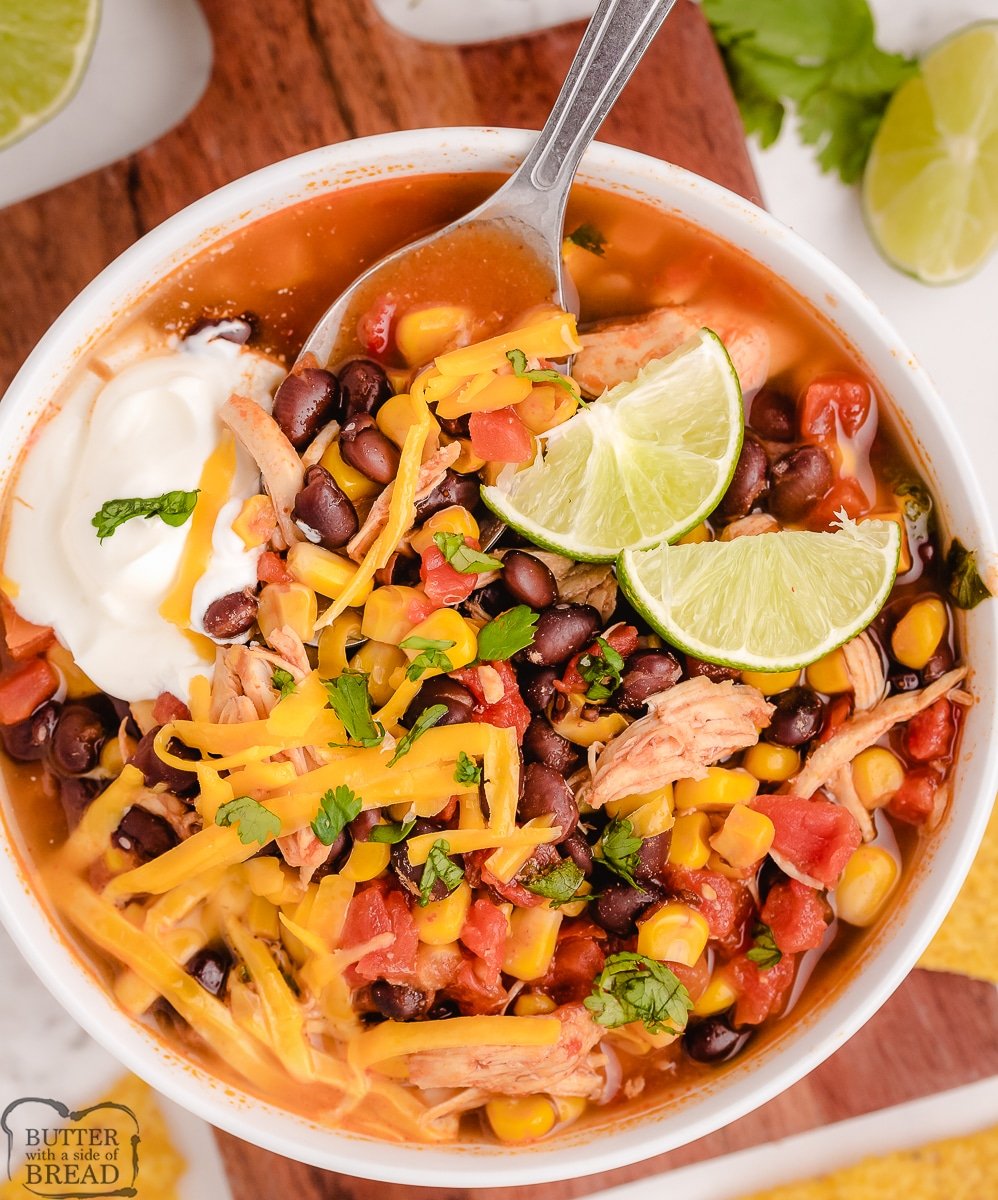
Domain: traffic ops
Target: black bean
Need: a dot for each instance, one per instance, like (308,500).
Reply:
(441,689)
(749,483)
(528,580)
(210,967)
(619,905)
(364,387)
(155,771)
(798,716)
(362,824)
(580,852)
(646,673)
(545,792)
(904,681)
(537,688)
(940,662)
(398,1001)
(712,671)
(799,479)
(365,448)
(304,403)
(230,616)
(123,712)
(323,511)
(225,329)
(146,834)
(653,858)
(493,599)
(561,631)
(714,1041)
(774,416)
(335,858)
(27,740)
(76,796)
(76,742)
(402,567)
(769,876)
(454,488)
(542,744)
(411,876)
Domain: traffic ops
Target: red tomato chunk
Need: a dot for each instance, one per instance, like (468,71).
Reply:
(915,800)
(377,911)
(844,396)
(500,436)
(24,687)
(441,582)
(929,734)
(724,903)
(816,837)
(508,713)
(761,990)
(796,915)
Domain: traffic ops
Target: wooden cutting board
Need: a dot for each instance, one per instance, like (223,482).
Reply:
(290,75)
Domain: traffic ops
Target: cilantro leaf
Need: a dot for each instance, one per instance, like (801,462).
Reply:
(633,987)
(432,656)
(351,701)
(601,670)
(438,866)
(426,720)
(764,953)
(511,631)
(964,584)
(559,884)
(465,558)
(538,374)
(252,821)
(467,770)
(172,508)
(588,237)
(393,832)
(283,682)
(336,810)
(617,849)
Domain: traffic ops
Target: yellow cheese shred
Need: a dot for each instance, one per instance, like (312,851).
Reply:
(90,838)
(391,1039)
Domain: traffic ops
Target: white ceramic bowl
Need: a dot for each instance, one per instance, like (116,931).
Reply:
(896,945)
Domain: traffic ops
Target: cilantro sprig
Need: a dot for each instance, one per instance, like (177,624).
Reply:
(172,508)
(283,682)
(438,866)
(351,701)
(602,670)
(467,770)
(252,822)
(337,808)
(503,636)
(633,987)
(426,720)
(392,832)
(964,584)
(588,237)
(431,656)
(539,374)
(618,848)
(465,558)
(559,884)
(764,952)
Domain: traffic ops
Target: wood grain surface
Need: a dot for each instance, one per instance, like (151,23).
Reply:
(291,75)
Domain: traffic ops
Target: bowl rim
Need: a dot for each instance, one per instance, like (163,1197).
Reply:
(809,1041)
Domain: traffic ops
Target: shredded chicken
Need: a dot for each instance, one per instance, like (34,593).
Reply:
(290,651)
(303,849)
(688,728)
(182,819)
(865,669)
(614,351)
(565,1069)
(581,582)
(843,791)
(442,1119)
(431,475)
(865,728)
(279,464)
(750,526)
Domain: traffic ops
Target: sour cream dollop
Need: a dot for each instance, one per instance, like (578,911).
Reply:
(148,430)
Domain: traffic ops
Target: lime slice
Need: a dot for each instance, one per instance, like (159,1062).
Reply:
(930,190)
(44,49)
(772,602)
(641,465)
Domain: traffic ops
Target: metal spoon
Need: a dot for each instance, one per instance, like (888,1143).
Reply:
(530,206)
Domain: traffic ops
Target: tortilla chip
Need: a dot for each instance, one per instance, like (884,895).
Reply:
(967,942)
(963,1168)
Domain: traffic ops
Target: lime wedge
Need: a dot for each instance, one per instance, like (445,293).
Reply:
(44,49)
(641,465)
(930,190)
(772,602)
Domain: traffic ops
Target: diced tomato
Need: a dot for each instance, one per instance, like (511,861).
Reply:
(845,494)
(761,990)
(169,708)
(623,638)
(270,568)
(500,436)
(815,836)
(915,800)
(929,734)
(374,329)
(576,963)
(477,873)
(844,396)
(375,911)
(442,584)
(484,932)
(508,713)
(477,989)
(796,915)
(695,978)
(835,714)
(724,903)
(23,687)
(24,639)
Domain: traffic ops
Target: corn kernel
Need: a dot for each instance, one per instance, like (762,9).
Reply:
(520,1118)
(770,763)
(721,788)
(323,571)
(699,533)
(397,416)
(770,682)
(111,759)
(575,908)
(391,612)
(291,604)
(423,333)
(467,461)
(723,867)
(716,997)
(918,634)
(581,732)
(352,483)
(867,881)
(829,674)
(454,519)
(533,934)
(486,392)
(78,685)
(446,625)
(745,836)
(533,1004)
(876,774)
(382,664)
(673,933)
(262,920)
(547,406)
(689,846)
(333,641)
(256,522)
(367,860)
(650,814)
(569,1108)
(441,921)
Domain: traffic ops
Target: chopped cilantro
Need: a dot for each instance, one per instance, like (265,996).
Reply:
(559,884)
(252,821)
(431,656)
(283,682)
(393,832)
(511,631)
(538,374)
(588,237)
(601,670)
(351,701)
(465,558)
(467,770)
(337,809)
(172,508)
(618,848)
(426,720)
(438,866)
(764,953)
(964,584)
(633,987)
